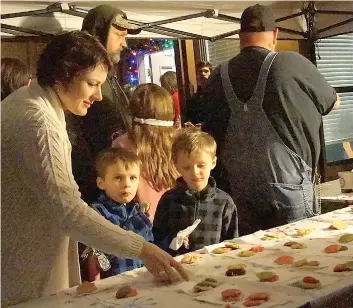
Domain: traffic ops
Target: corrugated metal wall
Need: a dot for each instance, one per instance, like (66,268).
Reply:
(335,62)
(222,50)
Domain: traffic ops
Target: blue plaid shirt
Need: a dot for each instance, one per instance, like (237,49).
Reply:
(129,217)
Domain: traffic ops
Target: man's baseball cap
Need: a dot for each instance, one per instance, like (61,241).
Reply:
(257,18)
(104,11)
(120,20)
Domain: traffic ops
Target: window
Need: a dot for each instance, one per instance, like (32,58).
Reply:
(334,58)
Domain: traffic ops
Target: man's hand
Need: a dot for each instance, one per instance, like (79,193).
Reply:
(160,264)
(337,103)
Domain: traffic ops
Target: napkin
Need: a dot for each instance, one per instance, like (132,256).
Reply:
(177,242)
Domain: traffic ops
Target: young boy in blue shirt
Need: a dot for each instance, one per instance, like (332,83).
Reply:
(118,175)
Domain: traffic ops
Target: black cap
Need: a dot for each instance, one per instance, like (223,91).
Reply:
(104,11)
(257,18)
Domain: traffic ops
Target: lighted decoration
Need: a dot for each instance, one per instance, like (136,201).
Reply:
(147,47)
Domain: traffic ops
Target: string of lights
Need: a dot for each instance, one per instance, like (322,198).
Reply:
(148,47)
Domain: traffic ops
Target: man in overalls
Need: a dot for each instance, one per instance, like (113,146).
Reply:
(264,109)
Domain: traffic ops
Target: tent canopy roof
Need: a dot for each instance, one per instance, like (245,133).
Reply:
(223,23)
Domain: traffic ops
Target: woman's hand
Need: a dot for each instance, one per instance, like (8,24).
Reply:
(160,264)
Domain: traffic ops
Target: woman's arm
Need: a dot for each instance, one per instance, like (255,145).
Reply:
(44,156)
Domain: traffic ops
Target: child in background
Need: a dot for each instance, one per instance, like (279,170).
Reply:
(151,138)
(118,175)
(169,82)
(195,196)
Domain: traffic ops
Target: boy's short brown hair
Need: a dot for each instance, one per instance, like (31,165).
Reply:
(111,156)
(191,140)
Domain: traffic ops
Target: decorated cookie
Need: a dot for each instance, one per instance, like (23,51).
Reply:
(256,299)
(334,248)
(267,276)
(86,288)
(246,253)
(270,236)
(346,238)
(236,271)
(284,260)
(338,225)
(295,245)
(190,259)
(346,267)
(309,283)
(206,284)
(232,295)
(300,263)
(221,250)
(233,246)
(125,291)
(257,249)
(303,232)
(237,266)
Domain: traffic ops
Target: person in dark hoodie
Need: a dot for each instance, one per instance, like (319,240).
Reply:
(195,196)
(92,134)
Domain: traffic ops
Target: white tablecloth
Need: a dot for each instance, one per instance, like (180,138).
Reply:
(283,293)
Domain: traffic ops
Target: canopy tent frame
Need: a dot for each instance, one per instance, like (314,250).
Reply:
(308,11)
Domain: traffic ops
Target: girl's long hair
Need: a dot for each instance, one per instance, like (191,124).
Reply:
(154,143)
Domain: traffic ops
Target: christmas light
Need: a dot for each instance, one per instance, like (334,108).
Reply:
(145,48)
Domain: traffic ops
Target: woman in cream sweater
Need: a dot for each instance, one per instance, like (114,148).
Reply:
(43,215)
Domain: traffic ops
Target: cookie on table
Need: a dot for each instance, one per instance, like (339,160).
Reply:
(125,291)
(190,259)
(267,276)
(206,284)
(232,295)
(334,248)
(346,238)
(281,260)
(233,246)
(257,249)
(338,225)
(309,282)
(295,245)
(256,299)
(236,270)
(303,232)
(86,287)
(221,250)
(346,267)
(305,262)
(246,253)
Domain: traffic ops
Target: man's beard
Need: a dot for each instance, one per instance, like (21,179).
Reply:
(115,57)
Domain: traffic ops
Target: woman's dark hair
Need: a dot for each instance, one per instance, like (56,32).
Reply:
(169,81)
(14,75)
(202,64)
(68,55)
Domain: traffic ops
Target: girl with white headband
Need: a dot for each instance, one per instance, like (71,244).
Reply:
(151,137)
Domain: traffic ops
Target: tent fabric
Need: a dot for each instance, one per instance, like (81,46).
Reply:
(152,11)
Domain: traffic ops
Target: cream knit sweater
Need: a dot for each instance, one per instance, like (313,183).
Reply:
(42,213)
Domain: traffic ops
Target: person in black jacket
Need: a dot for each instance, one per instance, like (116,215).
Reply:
(195,196)
(93,133)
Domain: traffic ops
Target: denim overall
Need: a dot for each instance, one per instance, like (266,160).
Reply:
(270,184)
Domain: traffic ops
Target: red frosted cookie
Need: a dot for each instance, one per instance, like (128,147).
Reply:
(259,296)
(284,260)
(257,249)
(335,248)
(309,282)
(231,295)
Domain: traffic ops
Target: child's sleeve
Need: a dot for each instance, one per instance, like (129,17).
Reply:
(230,221)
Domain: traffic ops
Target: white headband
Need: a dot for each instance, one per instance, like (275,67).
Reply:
(154,122)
